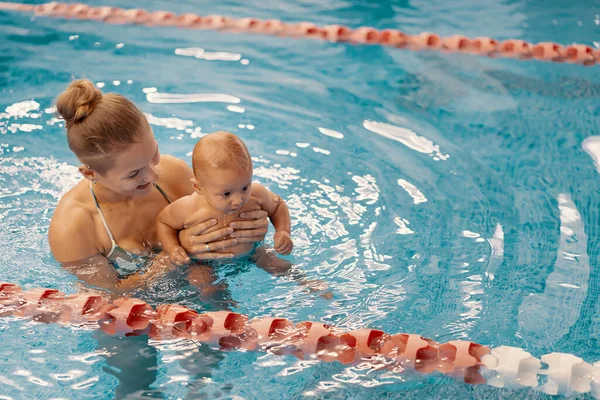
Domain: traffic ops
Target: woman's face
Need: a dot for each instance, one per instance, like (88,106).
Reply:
(134,169)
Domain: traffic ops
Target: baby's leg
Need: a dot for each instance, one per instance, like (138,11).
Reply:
(204,278)
(270,262)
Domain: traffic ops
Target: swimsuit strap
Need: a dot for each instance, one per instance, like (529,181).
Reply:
(163,193)
(114,245)
(110,235)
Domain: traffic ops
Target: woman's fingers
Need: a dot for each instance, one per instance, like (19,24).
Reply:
(251,239)
(212,256)
(254,224)
(212,236)
(249,232)
(204,247)
(194,235)
(199,229)
(258,214)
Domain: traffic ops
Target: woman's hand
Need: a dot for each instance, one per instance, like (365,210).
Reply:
(203,246)
(254,227)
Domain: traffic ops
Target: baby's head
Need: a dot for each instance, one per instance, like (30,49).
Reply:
(223,171)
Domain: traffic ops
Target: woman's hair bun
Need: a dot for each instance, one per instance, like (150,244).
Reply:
(78,101)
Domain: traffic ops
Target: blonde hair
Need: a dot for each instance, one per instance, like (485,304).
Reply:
(220,150)
(98,126)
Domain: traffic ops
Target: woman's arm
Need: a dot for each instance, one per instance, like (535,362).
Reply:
(95,272)
(71,233)
(160,266)
(72,242)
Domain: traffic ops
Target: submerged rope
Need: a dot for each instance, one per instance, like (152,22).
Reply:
(484,46)
(464,360)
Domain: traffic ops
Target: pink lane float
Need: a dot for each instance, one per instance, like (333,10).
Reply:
(512,48)
(230,330)
(465,361)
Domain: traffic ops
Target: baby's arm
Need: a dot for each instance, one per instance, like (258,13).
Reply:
(170,221)
(279,216)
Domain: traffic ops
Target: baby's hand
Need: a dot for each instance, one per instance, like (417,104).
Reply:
(178,256)
(283,242)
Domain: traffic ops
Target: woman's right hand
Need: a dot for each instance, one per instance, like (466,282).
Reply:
(203,246)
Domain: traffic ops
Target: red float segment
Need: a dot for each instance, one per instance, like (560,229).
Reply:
(413,351)
(131,317)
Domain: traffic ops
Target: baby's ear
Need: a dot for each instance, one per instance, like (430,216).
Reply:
(196,185)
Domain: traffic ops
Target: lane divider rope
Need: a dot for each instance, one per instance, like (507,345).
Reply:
(466,361)
(484,46)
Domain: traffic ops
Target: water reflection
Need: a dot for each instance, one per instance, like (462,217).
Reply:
(413,191)
(236,109)
(591,145)
(198,52)
(331,133)
(548,316)
(172,122)
(21,110)
(170,98)
(407,137)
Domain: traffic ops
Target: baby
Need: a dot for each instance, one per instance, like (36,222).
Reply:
(224,189)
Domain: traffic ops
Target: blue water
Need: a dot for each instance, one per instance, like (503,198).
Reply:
(432,207)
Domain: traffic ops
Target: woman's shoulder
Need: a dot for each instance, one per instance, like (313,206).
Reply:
(172,166)
(71,228)
(175,175)
(77,200)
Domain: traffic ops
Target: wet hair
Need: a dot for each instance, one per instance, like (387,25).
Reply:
(220,150)
(98,125)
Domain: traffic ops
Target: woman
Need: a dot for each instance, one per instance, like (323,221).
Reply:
(104,228)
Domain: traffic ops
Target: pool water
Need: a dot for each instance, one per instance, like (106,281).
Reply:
(452,196)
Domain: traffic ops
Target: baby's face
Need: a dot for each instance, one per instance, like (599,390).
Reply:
(227,190)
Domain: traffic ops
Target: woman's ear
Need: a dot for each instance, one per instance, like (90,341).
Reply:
(196,185)
(88,173)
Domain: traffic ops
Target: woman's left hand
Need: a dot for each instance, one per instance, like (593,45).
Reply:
(253,229)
